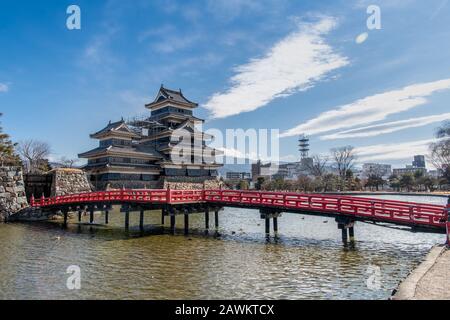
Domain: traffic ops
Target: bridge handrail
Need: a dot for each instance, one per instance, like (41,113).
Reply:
(396,211)
(389,210)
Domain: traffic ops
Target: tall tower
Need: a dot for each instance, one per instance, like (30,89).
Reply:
(303,146)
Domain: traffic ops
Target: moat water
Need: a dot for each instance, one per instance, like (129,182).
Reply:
(307,261)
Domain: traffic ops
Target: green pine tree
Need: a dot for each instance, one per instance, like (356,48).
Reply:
(8,156)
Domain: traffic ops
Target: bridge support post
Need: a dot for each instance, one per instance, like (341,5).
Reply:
(216,219)
(267,226)
(207,219)
(163,215)
(275,225)
(127,218)
(172,222)
(106,216)
(91,215)
(141,219)
(79,215)
(344,224)
(344,235)
(268,214)
(65,213)
(351,233)
(186,223)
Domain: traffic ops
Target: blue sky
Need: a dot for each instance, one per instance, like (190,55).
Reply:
(290,65)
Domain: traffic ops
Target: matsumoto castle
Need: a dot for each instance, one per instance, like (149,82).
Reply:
(139,153)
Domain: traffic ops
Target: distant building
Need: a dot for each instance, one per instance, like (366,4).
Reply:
(292,170)
(419,161)
(434,173)
(286,171)
(282,173)
(408,170)
(264,170)
(233,175)
(418,164)
(378,169)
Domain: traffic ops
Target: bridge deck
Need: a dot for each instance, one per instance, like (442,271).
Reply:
(361,208)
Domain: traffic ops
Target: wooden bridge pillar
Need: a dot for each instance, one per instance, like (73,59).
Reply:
(91,214)
(268,214)
(267,226)
(80,212)
(275,225)
(163,215)
(344,235)
(344,224)
(106,216)
(207,218)
(65,214)
(216,219)
(127,217)
(172,222)
(141,219)
(186,223)
(351,233)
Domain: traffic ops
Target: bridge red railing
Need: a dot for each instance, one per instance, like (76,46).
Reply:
(118,196)
(384,210)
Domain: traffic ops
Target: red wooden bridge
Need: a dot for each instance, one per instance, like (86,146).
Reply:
(345,209)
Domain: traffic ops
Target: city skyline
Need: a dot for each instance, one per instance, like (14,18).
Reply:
(309,67)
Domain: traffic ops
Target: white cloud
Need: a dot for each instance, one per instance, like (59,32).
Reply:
(387,127)
(370,109)
(231,154)
(4,87)
(393,151)
(294,64)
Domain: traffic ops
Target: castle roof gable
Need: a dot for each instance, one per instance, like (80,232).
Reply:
(165,94)
(119,127)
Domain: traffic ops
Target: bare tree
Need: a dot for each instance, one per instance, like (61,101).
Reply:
(34,153)
(344,158)
(67,162)
(440,150)
(317,166)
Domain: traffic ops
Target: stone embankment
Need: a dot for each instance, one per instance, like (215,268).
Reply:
(12,192)
(430,280)
(13,201)
(69,181)
(186,183)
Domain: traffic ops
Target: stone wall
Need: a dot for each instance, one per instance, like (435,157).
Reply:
(12,191)
(190,183)
(122,184)
(69,181)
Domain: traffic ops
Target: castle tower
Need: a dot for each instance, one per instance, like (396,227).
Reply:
(140,153)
